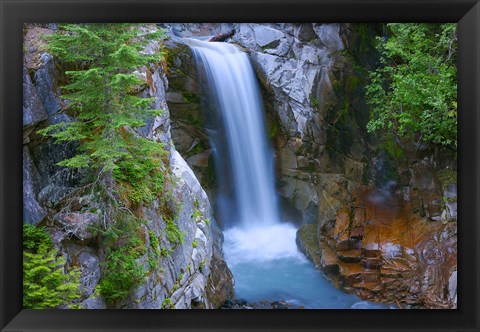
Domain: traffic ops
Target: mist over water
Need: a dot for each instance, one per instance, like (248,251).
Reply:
(260,251)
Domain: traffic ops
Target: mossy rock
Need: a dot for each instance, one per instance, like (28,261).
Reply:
(447,176)
(307,242)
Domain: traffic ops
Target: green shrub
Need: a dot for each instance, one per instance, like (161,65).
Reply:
(197,215)
(202,265)
(35,237)
(165,252)
(174,235)
(141,172)
(413,93)
(154,243)
(155,253)
(121,272)
(167,303)
(45,285)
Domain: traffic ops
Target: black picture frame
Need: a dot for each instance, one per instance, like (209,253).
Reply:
(14,13)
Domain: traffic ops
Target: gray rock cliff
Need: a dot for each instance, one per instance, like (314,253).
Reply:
(193,274)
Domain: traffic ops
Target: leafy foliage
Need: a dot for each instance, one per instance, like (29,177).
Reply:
(155,253)
(141,173)
(413,93)
(124,245)
(198,216)
(167,303)
(45,284)
(174,234)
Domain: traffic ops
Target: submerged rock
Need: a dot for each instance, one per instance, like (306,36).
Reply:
(264,304)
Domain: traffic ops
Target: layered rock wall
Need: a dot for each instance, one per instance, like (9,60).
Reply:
(192,275)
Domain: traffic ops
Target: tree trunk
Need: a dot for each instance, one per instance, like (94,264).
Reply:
(222,37)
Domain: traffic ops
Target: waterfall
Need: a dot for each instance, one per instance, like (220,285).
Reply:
(237,98)
(259,249)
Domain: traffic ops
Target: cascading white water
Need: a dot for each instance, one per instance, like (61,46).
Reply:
(230,73)
(260,251)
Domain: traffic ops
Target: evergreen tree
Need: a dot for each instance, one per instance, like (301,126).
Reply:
(414,91)
(45,284)
(100,93)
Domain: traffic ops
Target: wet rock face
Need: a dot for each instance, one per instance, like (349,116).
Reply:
(315,112)
(379,249)
(189,122)
(426,191)
(45,183)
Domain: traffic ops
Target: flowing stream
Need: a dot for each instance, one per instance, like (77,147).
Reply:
(259,249)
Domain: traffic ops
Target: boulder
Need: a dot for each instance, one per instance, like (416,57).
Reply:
(307,243)
(304,32)
(94,302)
(196,29)
(267,37)
(220,284)
(77,224)
(328,260)
(200,159)
(90,272)
(329,35)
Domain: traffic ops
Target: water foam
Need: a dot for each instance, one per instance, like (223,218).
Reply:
(261,244)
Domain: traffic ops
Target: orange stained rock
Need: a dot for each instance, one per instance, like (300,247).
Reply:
(342,224)
(359,217)
(349,269)
(389,219)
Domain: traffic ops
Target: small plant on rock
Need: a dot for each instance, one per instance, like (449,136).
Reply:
(45,283)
